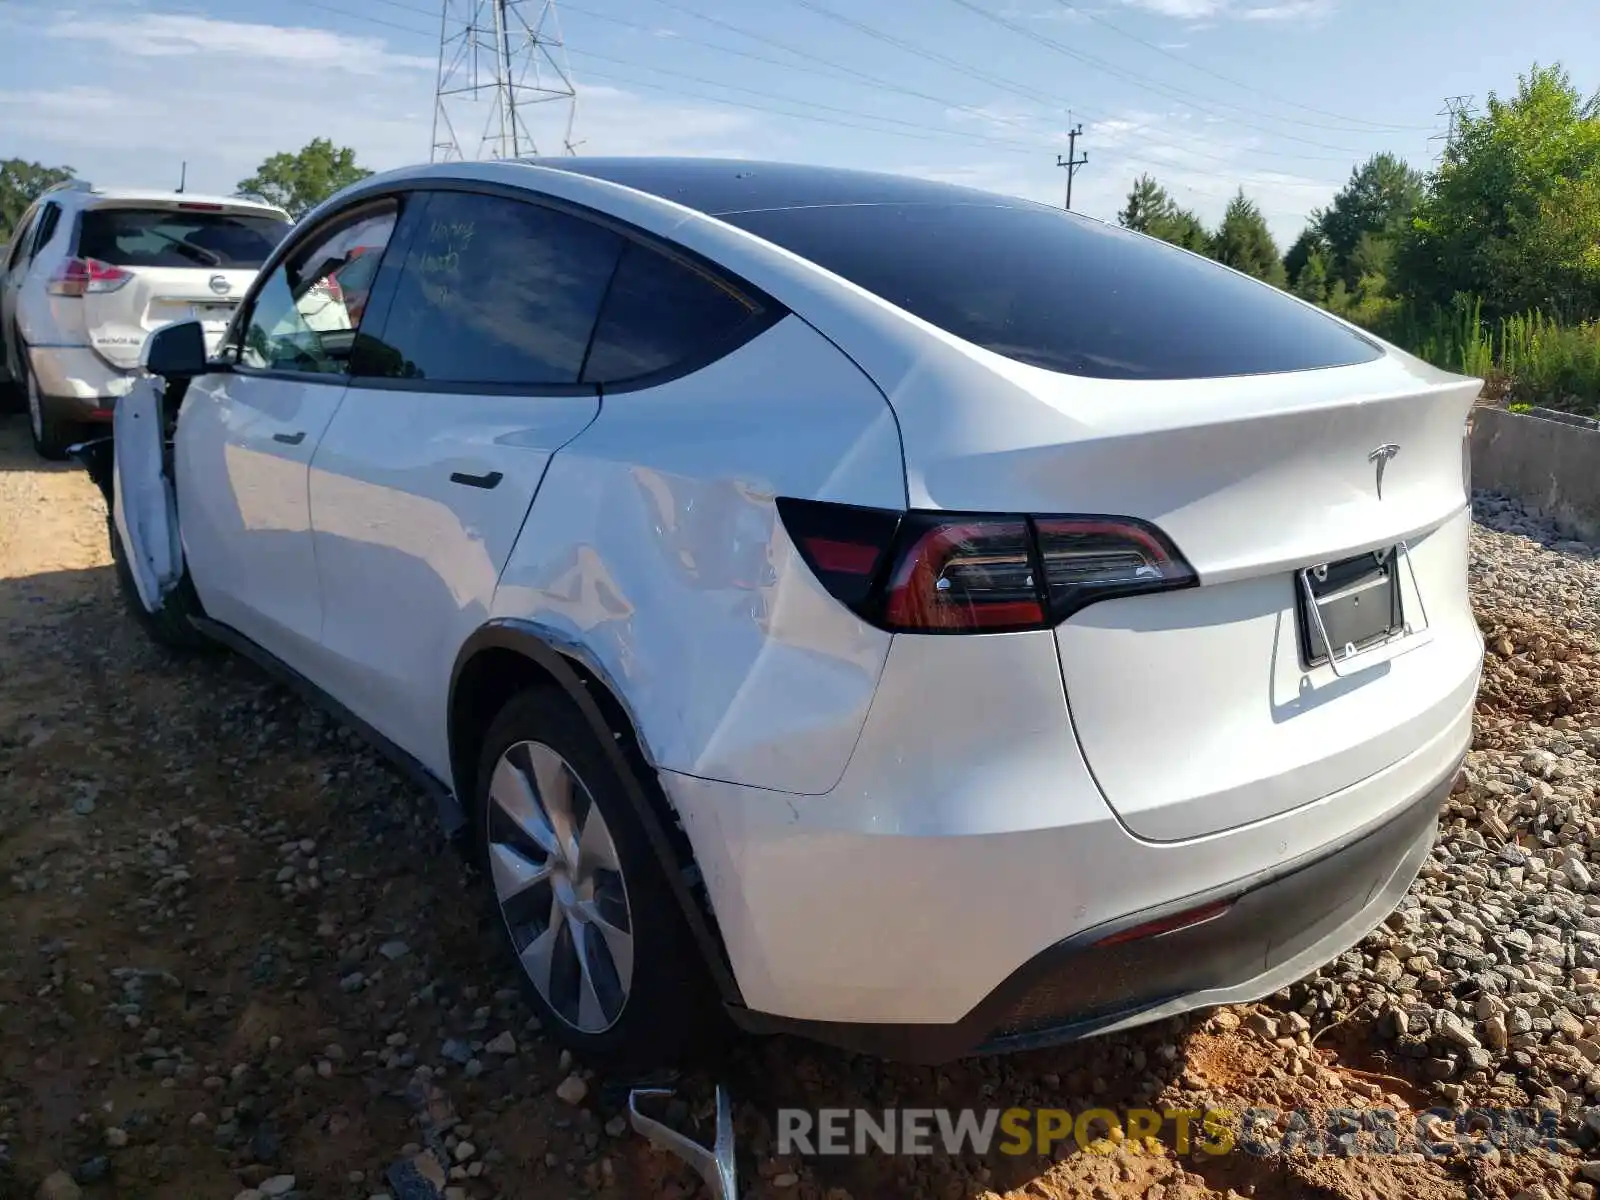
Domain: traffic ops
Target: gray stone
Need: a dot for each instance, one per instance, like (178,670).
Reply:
(58,1185)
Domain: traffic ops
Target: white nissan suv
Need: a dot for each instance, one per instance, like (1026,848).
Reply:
(915,618)
(90,271)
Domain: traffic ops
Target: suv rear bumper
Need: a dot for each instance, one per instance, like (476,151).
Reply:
(78,383)
(1281,926)
(967,847)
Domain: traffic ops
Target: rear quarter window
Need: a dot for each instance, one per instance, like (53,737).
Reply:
(661,313)
(135,237)
(1062,292)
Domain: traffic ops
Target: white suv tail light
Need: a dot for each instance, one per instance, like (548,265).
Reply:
(923,572)
(86,277)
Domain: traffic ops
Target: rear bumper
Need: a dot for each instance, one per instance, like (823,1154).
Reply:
(78,383)
(1282,925)
(967,851)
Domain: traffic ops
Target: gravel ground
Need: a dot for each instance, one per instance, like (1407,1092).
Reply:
(240,963)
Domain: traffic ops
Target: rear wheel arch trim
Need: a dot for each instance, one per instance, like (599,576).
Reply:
(559,657)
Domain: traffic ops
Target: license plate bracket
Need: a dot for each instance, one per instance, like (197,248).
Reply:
(213,313)
(1349,607)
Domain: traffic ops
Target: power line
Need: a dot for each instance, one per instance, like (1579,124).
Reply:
(1045,101)
(632,82)
(1116,72)
(1201,67)
(924,132)
(907,129)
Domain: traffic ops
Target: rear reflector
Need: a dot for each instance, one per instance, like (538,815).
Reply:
(924,572)
(1186,919)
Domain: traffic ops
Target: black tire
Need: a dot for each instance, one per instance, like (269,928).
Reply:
(13,396)
(51,435)
(669,1008)
(170,628)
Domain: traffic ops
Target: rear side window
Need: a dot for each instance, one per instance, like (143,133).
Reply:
(48,220)
(1062,292)
(141,237)
(495,291)
(661,312)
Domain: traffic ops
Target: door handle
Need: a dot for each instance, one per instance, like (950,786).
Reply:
(477,481)
(290,439)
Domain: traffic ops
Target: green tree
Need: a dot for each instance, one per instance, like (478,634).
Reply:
(1151,210)
(299,182)
(21,183)
(1378,200)
(1244,242)
(1182,228)
(1299,253)
(1513,213)
(1148,203)
(1311,281)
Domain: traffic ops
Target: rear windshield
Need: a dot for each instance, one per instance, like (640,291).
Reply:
(1061,292)
(143,237)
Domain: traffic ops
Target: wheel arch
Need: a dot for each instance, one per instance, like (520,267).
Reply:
(506,656)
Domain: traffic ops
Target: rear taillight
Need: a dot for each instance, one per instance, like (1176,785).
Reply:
(923,572)
(86,277)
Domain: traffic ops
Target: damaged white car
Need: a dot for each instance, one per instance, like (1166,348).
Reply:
(918,619)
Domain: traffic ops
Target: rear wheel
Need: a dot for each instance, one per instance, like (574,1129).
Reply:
(579,897)
(51,435)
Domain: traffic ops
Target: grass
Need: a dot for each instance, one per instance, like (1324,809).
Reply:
(1527,360)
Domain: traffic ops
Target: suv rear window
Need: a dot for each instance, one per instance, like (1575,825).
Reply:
(1062,292)
(146,237)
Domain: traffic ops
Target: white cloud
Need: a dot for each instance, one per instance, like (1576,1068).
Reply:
(168,35)
(1309,11)
(1291,10)
(224,95)
(1187,10)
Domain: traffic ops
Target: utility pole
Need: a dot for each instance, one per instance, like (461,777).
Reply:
(1072,162)
(498,61)
(1458,109)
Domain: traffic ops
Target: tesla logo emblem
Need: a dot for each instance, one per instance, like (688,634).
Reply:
(220,285)
(1381,457)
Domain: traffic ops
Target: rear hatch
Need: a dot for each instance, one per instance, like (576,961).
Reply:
(167,261)
(1203,709)
(1073,368)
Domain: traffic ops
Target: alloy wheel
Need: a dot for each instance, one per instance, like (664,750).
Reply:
(560,886)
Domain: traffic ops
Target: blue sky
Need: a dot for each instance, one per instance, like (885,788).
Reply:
(1279,96)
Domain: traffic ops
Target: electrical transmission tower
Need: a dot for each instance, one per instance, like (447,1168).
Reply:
(1457,109)
(502,69)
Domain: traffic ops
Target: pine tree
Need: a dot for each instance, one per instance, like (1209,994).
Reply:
(1245,243)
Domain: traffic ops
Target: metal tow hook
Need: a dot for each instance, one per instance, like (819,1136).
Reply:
(716,1166)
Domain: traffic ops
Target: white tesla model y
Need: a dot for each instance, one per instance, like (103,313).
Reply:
(916,618)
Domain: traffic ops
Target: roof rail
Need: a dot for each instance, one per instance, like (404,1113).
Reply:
(70,185)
